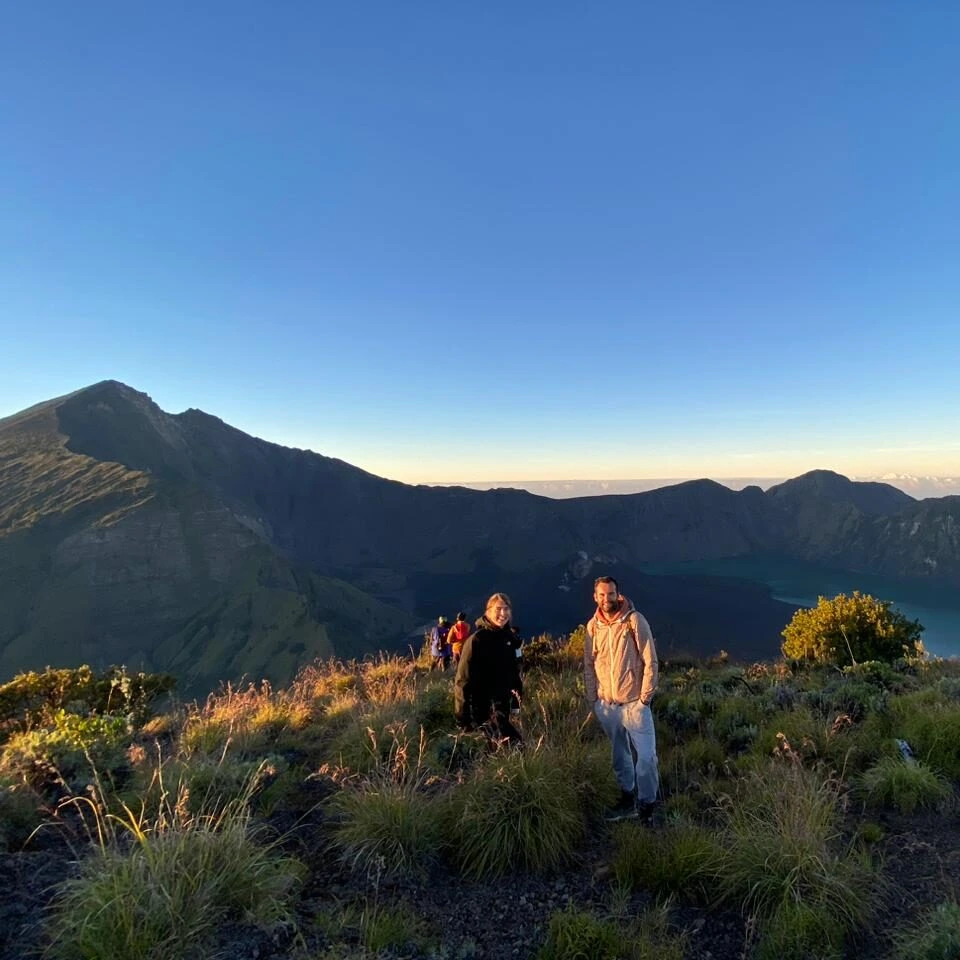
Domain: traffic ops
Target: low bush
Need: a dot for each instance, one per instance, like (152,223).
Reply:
(433,708)
(519,810)
(164,896)
(32,699)
(845,630)
(72,751)
(250,721)
(19,813)
(682,858)
(798,930)
(782,845)
(892,783)
(369,739)
(574,934)
(203,785)
(931,729)
(935,936)
(395,825)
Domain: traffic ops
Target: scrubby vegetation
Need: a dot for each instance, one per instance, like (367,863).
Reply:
(347,816)
(847,630)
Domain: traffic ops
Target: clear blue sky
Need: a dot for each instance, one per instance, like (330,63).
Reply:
(529,240)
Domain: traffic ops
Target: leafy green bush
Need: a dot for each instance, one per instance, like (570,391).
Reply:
(680,713)
(73,748)
(575,644)
(934,937)
(32,699)
(735,723)
(893,783)
(849,629)
(519,810)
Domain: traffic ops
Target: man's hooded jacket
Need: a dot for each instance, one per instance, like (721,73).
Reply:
(619,657)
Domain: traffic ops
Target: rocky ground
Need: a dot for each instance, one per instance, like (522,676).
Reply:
(504,919)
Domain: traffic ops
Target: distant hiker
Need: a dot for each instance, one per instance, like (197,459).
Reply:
(439,648)
(620,674)
(457,636)
(488,682)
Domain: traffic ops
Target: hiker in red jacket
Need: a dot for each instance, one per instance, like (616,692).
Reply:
(457,636)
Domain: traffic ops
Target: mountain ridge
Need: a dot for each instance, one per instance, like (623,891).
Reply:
(112,510)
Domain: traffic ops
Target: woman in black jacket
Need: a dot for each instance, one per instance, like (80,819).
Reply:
(488,675)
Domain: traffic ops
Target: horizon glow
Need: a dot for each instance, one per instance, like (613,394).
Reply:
(462,244)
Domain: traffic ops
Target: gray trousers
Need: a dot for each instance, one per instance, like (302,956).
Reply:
(634,741)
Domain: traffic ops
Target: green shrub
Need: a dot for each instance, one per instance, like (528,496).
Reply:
(519,810)
(949,687)
(574,934)
(456,752)
(782,845)
(797,931)
(880,675)
(555,710)
(892,783)
(856,698)
(73,748)
(848,629)
(19,813)
(735,723)
(702,756)
(931,729)
(679,713)
(381,929)
(575,644)
(203,785)
(935,936)
(163,897)
(369,739)
(870,833)
(682,858)
(395,826)
(433,708)
(32,699)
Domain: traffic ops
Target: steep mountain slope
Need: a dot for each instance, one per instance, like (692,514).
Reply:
(102,562)
(177,541)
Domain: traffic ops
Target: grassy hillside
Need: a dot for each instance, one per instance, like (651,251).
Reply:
(345,815)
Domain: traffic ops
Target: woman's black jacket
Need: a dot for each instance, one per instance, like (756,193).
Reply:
(489,671)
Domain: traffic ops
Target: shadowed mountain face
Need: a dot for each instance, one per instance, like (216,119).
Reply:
(176,541)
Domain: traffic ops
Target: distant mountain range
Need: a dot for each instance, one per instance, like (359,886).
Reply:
(178,542)
(918,487)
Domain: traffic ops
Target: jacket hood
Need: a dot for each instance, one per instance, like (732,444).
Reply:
(626,608)
(484,624)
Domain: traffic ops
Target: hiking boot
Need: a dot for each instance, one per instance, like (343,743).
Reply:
(645,810)
(626,809)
